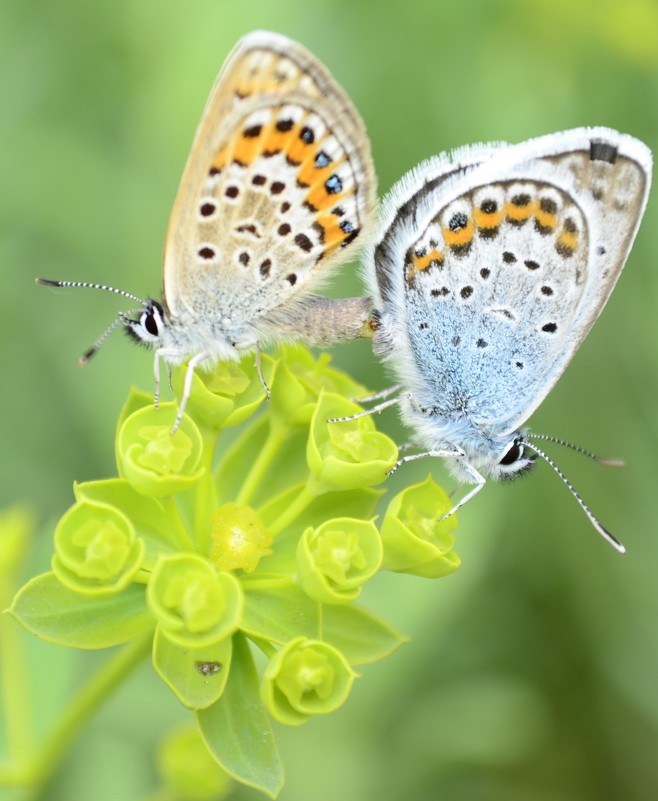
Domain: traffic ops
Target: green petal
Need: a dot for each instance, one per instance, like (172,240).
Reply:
(237,729)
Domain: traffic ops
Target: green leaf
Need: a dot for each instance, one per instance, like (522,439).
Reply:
(237,729)
(279,615)
(46,608)
(358,634)
(197,676)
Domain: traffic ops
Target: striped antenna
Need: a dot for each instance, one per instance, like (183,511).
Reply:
(88,285)
(582,451)
(601,529)
(87,355)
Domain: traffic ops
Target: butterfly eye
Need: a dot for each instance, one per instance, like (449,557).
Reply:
(150,323)
(513,453)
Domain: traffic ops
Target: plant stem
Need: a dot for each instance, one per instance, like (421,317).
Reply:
(205,496)
(254,477)
(14,692)
(184,538)
(81,708)
(301,502)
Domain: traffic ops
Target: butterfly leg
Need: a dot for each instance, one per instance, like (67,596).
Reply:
(479,480)
(451,454)
(161,353)
(187,386)
(375,409)
(384,393)
(259,371)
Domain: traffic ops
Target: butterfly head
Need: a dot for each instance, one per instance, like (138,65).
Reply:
(149,327)
(515,459)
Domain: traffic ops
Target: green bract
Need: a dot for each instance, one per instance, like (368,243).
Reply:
(337,558)
(415,538)
(206,550)
(306,678)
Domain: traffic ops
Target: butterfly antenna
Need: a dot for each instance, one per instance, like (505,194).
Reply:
(583,451)
(120,320)
(601,529)
(86,356)
(88,285)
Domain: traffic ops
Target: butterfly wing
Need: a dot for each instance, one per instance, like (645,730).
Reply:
(495,269)
(278,184)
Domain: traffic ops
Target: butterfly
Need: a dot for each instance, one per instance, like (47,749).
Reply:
(488,270)
(278,186)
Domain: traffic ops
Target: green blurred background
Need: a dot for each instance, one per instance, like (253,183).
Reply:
(533,671)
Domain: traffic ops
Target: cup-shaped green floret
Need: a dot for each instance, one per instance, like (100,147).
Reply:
(239,538)
(96,549)
(350,454)
(336,559)
(228,394)
(301,379)
(155,461)
(194,604)
(305,678)
(415,538)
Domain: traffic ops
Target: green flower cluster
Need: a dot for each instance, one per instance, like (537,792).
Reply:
(242,529)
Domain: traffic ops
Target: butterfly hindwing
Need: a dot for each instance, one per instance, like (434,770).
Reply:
(279,183)
(503,268)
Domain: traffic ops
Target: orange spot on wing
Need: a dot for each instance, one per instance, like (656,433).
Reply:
(546,219)
(321,199)
(519,213)
(274,140)
(246,150)
(421,263)
(297,149)
(219,159)
(488,219)
(461,237)
(310,175)
(333,233)
(568,240)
